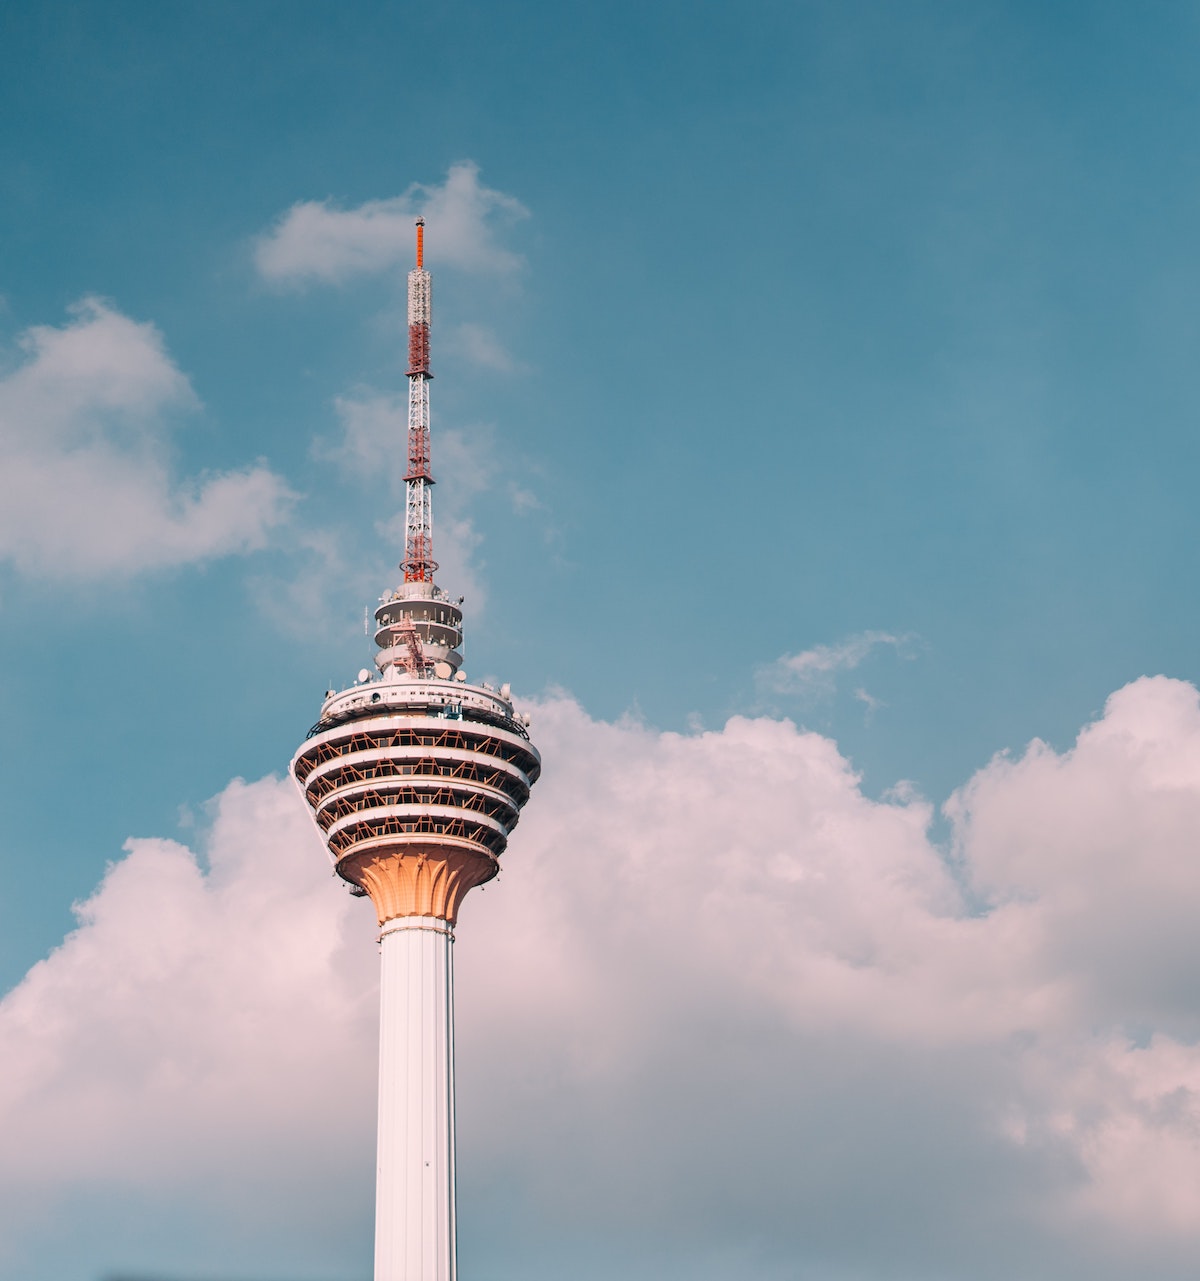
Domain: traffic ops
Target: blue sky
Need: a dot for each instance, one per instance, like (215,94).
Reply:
(821,361)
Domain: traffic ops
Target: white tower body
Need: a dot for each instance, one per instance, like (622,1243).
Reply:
(414,1191)
(415,779)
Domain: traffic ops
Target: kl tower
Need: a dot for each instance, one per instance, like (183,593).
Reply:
(415,778)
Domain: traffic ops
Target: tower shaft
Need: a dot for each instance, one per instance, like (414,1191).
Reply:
(414,1190)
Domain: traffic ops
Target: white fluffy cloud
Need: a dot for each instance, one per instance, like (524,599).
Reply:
(205,1035)
(316,241)
(85,481)
(722,1014)
(785,1023)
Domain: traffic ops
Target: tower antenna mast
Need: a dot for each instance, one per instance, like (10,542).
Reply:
(418,563)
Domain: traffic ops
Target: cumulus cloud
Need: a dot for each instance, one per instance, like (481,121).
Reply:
(317,241)
(166,1049)
(721,1014)
(1100,842)
(781,1026)
(85,480)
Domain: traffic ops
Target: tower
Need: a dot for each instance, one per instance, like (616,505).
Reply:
(415,778)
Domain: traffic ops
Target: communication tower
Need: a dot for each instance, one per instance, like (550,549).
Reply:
(415,778)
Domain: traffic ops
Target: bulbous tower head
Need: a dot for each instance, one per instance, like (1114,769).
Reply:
(414,776)
(415,785)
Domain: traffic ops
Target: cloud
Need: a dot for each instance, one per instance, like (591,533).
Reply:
(721,1014)
(1099,839)
(456,547)
(322,593)
(479,345)
(85,480)
(374,437)
(869,701)
(166,1050)
(813,671)
(524,500)
(371,446)
(779,997)
(373,443)
(316,241)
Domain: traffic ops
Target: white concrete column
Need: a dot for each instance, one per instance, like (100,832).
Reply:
(414,1197)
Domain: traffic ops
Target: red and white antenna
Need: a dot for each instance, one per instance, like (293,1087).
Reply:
(418,563)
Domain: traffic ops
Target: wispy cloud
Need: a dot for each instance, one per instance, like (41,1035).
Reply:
(315,240)
(524,500)
(869,701)
(373,443)
(86,484)
(479,345)
(814,672)
(373,437)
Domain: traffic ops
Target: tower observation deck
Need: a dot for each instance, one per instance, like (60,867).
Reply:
(415,778)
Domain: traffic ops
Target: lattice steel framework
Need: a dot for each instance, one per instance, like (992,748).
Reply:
(418,563)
